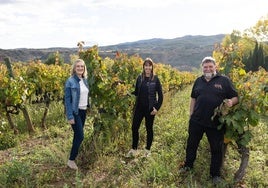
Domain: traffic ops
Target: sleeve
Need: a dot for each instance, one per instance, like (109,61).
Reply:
(135,92)
(159,94)
(68,100)
(231,91)
(193,92)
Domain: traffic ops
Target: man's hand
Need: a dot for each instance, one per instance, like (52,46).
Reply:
(229,102)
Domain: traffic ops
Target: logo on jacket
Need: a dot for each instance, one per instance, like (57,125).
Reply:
(218,86)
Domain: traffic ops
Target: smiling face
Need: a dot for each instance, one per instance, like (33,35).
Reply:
(148,69)
(209,69)
(79,68)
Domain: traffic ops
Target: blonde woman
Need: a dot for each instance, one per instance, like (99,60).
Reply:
(76,101)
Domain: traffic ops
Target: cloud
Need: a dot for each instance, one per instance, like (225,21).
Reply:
(7,1)
(120,4)
(38,24)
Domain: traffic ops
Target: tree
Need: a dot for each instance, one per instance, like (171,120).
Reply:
(256,59)
(266,63)
(54,59)
(259,31)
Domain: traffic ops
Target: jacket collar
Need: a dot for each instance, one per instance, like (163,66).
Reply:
(76,78)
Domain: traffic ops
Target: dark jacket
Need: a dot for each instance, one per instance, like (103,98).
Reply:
(210,95)
(154,87)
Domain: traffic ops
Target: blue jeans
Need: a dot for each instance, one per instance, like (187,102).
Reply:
(78,129)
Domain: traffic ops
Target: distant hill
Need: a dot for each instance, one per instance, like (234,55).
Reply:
(183,53)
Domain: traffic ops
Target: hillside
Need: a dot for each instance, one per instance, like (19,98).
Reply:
(183,53)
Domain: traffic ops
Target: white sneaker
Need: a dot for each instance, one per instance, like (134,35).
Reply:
(72,165)
(147,153)
(131,153)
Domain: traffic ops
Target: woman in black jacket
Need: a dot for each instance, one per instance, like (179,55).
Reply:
(149,98)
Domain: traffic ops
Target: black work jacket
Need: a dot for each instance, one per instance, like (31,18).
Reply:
(209,95)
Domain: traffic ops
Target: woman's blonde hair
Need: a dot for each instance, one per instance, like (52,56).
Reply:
(84,75)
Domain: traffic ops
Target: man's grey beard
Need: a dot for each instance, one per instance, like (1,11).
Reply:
(209,75)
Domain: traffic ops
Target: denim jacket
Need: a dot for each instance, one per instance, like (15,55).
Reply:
(72,95)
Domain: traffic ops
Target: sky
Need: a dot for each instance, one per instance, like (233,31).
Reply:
(63,23)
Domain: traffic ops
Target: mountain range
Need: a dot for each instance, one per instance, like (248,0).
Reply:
(184,53)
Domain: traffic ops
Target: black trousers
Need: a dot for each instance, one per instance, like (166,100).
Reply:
(215,139)
(139,114)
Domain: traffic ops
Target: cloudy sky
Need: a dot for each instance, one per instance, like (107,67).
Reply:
(62,23)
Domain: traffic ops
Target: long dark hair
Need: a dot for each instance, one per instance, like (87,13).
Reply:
(150,62)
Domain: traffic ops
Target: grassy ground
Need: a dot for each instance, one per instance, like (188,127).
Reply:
(40,160)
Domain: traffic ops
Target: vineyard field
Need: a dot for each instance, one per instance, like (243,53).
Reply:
(40,160)
(35,137)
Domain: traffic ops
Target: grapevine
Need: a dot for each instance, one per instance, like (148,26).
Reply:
(240,119)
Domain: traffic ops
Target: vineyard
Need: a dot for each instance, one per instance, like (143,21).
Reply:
(35,137)
(111,82)
(40,160)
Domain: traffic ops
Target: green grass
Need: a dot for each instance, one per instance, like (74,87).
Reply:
(40,160)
